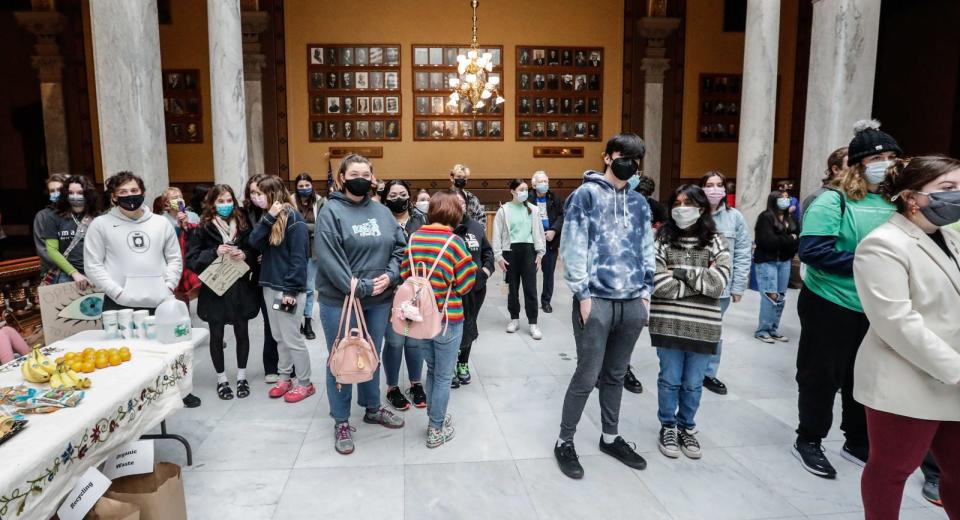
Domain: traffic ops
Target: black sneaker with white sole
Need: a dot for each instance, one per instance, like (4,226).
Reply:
(810,454)
(714,385)
(855,454)
(669,444)
(689,444)
(624,452)
(568,460)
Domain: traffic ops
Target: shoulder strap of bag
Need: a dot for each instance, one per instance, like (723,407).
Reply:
(78,236)
(843,200)
(343,330)
(439,256)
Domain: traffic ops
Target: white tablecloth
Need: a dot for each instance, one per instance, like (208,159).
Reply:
(123,403)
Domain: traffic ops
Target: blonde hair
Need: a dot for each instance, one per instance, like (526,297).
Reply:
(460,168)
(345,165)
(275,190)
(852,182)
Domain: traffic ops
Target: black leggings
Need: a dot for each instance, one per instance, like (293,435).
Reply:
(217,346)
(522,267)
(472,302)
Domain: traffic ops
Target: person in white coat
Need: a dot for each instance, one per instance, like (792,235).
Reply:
(907,371)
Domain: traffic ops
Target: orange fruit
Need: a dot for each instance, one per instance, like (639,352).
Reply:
(115,360)
(101,362)
(88,351)
(125,355)
(88,367)
(124,349)
(69,356)
(113,352)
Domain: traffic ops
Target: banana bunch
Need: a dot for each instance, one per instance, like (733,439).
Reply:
(66,379)
(37,368)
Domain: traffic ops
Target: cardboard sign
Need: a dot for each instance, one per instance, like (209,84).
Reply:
(84,495)
(66,310)
(222,274)
(133,458)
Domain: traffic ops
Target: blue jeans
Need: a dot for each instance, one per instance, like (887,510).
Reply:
(368,394)
(312,266)
(714,363)
(772,277)
(679,387)
(394,348)
(440,354)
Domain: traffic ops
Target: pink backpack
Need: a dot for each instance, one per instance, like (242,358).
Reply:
(415,314)
(353,358)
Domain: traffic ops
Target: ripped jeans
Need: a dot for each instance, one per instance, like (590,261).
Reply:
(772,280)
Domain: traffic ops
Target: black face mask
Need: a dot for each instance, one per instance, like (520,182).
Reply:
(398,205)
(130,202)
(624,168)
(460,183)
(358,186)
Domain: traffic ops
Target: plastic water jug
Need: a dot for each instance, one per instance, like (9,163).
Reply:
(172,321)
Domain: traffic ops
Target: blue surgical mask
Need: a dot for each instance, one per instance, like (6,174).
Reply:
(876,172)
(783,204)
(633,182)
(305,192)
(521,196)
(543,187)
(54,196)
(225,209)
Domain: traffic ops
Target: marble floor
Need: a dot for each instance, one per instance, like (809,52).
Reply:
(259,458)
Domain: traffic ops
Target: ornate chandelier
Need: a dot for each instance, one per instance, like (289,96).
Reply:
(474,82)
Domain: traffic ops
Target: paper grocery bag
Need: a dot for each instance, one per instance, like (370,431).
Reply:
(109,509)
(159,494)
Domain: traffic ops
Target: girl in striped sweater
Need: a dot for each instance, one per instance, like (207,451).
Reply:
(693,267)
(455,275)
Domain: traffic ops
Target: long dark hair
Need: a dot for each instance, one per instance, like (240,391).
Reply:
(63,206)
(210,206)
(514,184)
(723,179)
(705,228)
(303,206)
(787,223)
(411,198)
(247,203)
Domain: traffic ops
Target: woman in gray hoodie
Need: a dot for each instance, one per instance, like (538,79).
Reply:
(358,238)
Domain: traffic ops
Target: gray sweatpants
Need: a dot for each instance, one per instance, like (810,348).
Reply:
(291,347)
(604,345)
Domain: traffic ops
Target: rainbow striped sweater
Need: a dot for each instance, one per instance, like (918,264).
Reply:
(456,268)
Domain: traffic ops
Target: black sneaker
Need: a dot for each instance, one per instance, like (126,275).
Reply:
(397,400)
(463,373)
(689,444)
(855,454)
(191,401)
(668,443)
(568,460)
(624,452)
(810,454)
(417,395)
(631,383)
(714,385)
(547,308)
(455,382)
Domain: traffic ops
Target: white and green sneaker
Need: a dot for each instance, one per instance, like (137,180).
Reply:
(439,436)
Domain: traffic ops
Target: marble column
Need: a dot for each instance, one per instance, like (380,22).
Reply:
(758,108)
(228,117)
(843,62)
(253,24)
(654,65)
(126,60)
(45,26)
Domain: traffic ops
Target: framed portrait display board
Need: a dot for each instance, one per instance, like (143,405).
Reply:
(559,93)
(182,107)
(433,120)
(354,92)
(718,117)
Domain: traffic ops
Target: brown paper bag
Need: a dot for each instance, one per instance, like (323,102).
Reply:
(159,494)
(109,509)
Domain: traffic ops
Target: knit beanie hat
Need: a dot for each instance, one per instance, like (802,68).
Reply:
(869,140)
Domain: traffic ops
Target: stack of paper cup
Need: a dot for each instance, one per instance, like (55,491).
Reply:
(109,319)
(150,327)
(139,324)
(125,323)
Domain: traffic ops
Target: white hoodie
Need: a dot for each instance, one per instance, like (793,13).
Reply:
(135,262)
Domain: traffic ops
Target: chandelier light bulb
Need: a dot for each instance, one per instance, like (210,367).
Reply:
(489,67)
(470,78)
(454,97)
(454,82)
(487,57)
(494,80)
(462,67)
(478,106)
(485,94)
(472,54)
(499,100)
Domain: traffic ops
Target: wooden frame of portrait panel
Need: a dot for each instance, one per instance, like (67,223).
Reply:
(433,65)
(559,93)
(182,106)
(354,92)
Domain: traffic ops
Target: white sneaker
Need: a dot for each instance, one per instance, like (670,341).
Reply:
(271,379)
(513,326)
(535,332)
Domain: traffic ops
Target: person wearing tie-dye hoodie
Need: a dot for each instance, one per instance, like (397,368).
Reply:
(607,248)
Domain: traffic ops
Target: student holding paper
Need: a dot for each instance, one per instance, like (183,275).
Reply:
(222,237)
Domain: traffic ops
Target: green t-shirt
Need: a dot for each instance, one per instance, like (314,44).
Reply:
(822,218)
(521,230)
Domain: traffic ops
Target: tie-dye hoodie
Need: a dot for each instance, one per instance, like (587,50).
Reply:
(607,242)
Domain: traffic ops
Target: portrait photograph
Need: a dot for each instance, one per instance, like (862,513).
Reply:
(580,107)
(422,129)
(193,106)
(333,80)
(392,56)
(376,56)
(421,56)
(465,106)
(553,57)
(466,129)
(346,56)
(422,105)
(176,106)
(176,132)
(593,130)
(495,57)
(393,105)
(436,105)
(553,129)
(436,56)
(553,82)
(593,106)
(333,105)
(566,58)
(174,80)
(594,58)
(348,106)
(316,80)
(362,55)
(348,130)
(376,80)
(189,80)
(594,82)
(421,80)
(346,80)
(316,56)
(391,80)
(376,105)
(496,129)
(393,129)
(376,129)
(552,106)
(362,81)
(436,80)
(331,56)
(363,105)
(363,129)
(523,57)
(539,57)
(566,82)
(450,56)
(580,60)
(333,130)
(436,129)
(523,107)
(539,129)
(318,129)
(524,82)
(566,106)
(524,129)
(566,129)
(538,106)
(539,83)
(317,105)
(581,82)
(480,128)
(580,129)
(450,129)
(193,133)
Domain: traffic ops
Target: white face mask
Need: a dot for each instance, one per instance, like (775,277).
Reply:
(521,196)
(685,216)
(876,172)
(423,206)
